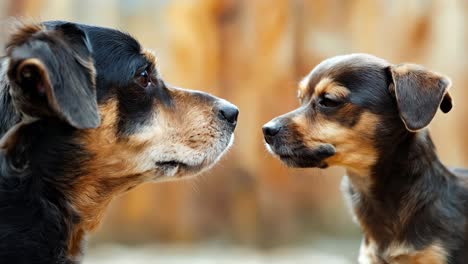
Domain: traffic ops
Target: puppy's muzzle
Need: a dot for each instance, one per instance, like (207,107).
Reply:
(270,130)
(288,146)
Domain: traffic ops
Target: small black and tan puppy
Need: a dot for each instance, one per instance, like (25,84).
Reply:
(85,116)
(369,116)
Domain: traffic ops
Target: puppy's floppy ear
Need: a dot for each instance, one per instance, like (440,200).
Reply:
(56,64)
(419,93)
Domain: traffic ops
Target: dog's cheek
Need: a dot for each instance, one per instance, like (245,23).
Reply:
(201,132)
(112,153)
(193,120)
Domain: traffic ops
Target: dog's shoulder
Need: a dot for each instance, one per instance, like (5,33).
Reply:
(32,227)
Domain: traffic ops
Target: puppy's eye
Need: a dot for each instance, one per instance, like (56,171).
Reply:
(143,79)
(329,101)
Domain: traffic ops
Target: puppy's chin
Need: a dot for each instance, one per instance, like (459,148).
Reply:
(304,157)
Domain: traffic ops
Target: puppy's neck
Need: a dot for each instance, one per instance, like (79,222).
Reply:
(400,164)
(405,179)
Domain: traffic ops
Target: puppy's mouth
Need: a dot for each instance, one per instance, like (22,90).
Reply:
(304,157)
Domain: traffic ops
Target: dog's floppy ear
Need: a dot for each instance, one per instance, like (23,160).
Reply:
(56,64)
(419,93)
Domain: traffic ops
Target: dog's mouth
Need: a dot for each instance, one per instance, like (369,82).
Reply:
(170,164)
(304,157)
(175,168)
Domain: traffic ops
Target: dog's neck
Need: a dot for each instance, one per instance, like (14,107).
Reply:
(84,194)
(409,177)
(90,196)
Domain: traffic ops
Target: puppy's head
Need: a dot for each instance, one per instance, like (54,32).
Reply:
(352,108)
(102,88)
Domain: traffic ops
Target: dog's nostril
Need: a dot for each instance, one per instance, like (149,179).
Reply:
(229,112)
(271,130)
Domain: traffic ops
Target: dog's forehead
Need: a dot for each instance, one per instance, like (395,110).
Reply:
(331,69)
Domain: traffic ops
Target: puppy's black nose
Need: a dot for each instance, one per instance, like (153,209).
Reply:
(270,130)
(228,112)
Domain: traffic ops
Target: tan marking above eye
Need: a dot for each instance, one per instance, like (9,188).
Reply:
(337,91)
(328,86)
(150,56)
(303,86)
(322,86)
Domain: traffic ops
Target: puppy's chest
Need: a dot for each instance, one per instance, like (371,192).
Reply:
(400,253)
(384,240)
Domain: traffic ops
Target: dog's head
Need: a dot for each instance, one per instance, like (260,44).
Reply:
(104,89)
(85,115)
(353,108)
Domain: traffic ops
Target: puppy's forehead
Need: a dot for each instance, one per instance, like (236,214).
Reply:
(332,70)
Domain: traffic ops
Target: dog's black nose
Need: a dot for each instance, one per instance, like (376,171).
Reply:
(229,112)
(270,130)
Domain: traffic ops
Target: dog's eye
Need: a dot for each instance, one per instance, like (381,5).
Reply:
(328,101)
(143,79)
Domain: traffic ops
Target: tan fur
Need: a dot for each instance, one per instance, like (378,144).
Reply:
(150,56)
(327,85)
(182,136)
(303,88)
(368,253)
(354,148)
(401,254)
(119,163)
(435,254)
(23,33)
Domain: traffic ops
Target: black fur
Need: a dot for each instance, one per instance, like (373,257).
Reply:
(36,217)
(410,197)
(65,73)
(59,166)
(42,160)
(9,115)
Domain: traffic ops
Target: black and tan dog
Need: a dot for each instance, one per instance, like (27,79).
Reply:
(84,116)
(369,116)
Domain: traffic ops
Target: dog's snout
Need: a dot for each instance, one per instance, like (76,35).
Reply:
(228,112)
(270,130)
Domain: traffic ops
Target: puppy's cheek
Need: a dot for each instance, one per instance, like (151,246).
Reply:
(356,146)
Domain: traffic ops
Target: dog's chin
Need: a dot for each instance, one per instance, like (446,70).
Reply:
(190,167)
(304,157)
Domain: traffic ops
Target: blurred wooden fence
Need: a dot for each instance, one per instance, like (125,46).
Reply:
(253,52)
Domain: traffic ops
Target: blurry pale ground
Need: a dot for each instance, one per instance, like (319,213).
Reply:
(250,208)
(324,251)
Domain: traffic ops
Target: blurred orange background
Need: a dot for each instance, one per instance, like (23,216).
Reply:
(253,53)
